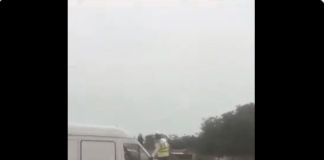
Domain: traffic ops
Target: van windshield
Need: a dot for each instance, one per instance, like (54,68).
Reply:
(133,151)
(143,154)
(144,151)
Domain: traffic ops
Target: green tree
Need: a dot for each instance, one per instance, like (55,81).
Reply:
(140,139)
(149,142)
(230,134)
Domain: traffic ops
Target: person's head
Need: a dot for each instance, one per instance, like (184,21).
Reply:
(158,136)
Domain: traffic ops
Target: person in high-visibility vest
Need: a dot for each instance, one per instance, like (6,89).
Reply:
(162,148)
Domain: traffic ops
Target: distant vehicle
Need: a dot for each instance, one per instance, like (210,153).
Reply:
(98,142)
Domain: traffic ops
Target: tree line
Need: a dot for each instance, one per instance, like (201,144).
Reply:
(230,134)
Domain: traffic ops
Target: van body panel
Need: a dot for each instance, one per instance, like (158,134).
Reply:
(72,148)
(98,150)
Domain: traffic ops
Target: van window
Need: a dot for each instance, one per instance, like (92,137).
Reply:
(98,150)
(72,149)
(134,152)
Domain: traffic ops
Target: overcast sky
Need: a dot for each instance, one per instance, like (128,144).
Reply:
(157,64)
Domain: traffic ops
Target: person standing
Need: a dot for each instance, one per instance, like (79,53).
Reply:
(162,148)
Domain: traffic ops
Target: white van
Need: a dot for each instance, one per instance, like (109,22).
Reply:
(103,143)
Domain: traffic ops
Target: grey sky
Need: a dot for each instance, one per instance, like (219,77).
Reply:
(146,68)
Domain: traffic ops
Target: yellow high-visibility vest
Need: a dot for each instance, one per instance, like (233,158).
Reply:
(164,149)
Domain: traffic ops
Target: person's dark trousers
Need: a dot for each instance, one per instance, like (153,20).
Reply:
(163,158)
